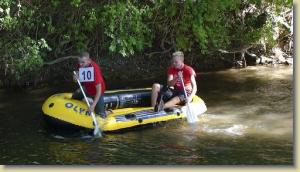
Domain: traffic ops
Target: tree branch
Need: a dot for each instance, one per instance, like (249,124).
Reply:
(159,52)
(239,50)
(59,60)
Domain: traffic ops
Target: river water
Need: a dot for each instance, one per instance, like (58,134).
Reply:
(249,122)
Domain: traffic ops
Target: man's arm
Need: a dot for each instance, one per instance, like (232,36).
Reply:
(96,98)
(194,88)
(76,77)
(171,80)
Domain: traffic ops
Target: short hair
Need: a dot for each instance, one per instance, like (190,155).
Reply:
(178,54)
(84,54)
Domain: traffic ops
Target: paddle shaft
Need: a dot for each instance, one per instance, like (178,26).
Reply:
(184,90)
(190,115)
(88,103)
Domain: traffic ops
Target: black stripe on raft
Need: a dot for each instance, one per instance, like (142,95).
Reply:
(145,114)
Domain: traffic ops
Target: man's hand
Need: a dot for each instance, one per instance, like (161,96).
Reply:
(180,74)
(75,77)
(92,108)
(189,99)
(176,79)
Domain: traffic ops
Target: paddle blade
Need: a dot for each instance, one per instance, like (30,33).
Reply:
(190,115)
(97,132)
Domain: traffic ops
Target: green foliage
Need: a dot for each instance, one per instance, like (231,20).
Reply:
(193,24)
(75,3)
(108,28)
(7,21)
(123,24)
(23,56)
(267,35)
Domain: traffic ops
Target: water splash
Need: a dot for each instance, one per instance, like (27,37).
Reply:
(234,130)
(58,137)
(86,137)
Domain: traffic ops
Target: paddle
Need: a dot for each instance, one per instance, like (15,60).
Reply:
(190,115)
(97,130)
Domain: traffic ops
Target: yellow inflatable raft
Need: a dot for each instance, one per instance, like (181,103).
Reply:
(129,108)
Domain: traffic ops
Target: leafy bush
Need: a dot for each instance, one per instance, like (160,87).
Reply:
(109,28)
(124,25)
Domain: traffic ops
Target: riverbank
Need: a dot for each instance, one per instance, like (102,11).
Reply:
(131,70)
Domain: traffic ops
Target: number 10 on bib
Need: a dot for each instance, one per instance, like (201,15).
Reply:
(86,74)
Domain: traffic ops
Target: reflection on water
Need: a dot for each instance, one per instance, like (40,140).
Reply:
(249,121)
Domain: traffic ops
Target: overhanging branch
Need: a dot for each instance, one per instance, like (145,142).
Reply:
(60,60)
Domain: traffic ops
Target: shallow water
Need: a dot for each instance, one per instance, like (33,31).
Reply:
(249,122)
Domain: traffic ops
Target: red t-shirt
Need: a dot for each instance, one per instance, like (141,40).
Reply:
(98,79)
(187,72)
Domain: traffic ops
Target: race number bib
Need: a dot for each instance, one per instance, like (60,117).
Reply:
(86,74)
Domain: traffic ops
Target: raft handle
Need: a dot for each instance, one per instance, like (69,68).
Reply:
(51,105)
(130,116)
(140,120)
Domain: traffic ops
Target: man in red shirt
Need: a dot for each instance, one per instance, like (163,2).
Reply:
(174,93)
(94,89)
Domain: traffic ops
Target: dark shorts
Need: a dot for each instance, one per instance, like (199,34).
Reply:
(99,109)
(168,93)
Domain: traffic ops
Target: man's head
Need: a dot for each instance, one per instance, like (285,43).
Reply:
(178,59)
(84,59)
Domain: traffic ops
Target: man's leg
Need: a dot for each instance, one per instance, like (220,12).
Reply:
(77,95)
(100,109)
(176,97)
(171,103)
(155,90)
